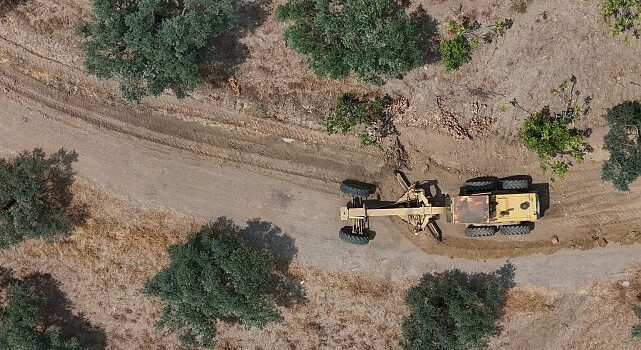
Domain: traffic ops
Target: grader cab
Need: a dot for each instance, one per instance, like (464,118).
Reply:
(485,206)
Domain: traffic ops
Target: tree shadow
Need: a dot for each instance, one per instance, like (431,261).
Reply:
(60,179)
(58,312)
(280,247)
(7,6)
(428,28)
(56,309)
(229,52)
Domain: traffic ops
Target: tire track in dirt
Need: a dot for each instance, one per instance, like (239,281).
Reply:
(315,160)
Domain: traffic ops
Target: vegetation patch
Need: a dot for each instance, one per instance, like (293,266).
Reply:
(457,50)
(369,117)
(35,196)
(454,310)
(153,45)
(21,324)
(520,6)
(375,40)
(553,136)
(623,17)
(623,143)
(213,276)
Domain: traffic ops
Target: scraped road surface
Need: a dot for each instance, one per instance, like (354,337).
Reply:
(156,175)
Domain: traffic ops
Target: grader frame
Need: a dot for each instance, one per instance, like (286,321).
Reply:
(511,208)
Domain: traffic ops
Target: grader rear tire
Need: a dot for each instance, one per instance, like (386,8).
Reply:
(480,231)
(479,186)
(357,189)
(514,230)
(515,184)
(347,234)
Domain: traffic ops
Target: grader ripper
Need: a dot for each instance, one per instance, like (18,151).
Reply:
(485,206)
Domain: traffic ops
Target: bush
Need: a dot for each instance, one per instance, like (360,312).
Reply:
(153,45)
(351,112)
(549,137)
(454,310)
(375,40)
(456,51)
(21,328)
(35,196)
(212,276)
(623,16)
(552,136)
(623,142)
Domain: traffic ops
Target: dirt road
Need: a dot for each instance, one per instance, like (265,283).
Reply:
(157,175)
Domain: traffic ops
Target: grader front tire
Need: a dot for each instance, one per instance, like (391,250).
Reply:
(348,235)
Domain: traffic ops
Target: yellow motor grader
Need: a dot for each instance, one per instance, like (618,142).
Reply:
(485,205)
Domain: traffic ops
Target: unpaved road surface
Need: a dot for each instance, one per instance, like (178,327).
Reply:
(157,175)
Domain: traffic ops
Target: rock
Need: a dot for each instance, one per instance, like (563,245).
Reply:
(625,284)
(555,240)
(288,140)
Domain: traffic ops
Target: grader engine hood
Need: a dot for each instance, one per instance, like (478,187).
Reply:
(495,208)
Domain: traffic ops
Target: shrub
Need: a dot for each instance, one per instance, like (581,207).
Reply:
(212,276)
(552,136)
(623,142)
(153,45)
(35,196)
(351,112)
(21,328)
(375,40)
(623,16)
(456,51)
(454,310)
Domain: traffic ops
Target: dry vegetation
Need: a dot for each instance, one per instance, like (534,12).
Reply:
(102,266)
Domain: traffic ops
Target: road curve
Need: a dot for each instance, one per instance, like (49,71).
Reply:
(156,175)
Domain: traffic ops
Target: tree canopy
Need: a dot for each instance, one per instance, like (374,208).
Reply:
(375,40)
(153,45)
(455,310)
(35,195)
(20,327)
(213,275)
(623,142)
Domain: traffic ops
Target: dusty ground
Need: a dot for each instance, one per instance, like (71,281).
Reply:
(98,272)
(273,96)
(220,152)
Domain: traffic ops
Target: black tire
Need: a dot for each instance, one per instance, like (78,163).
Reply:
(480,231)
(513,230)
(478,186)
(347,234)
(356,188)
(515,184)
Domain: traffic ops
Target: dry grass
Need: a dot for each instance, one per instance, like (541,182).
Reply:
(529,300)
(102,266)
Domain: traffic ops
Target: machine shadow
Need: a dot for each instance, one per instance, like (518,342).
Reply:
(281,248)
